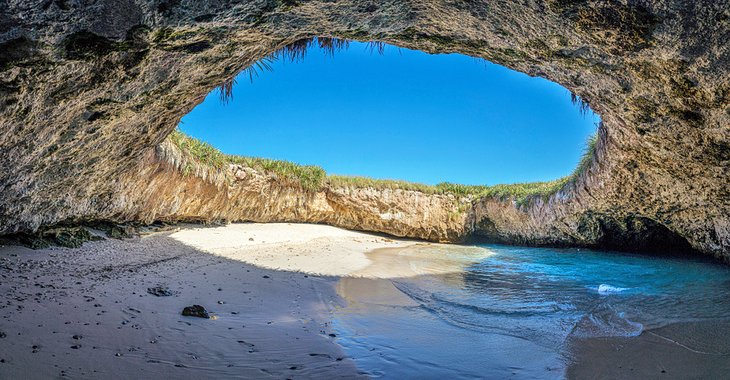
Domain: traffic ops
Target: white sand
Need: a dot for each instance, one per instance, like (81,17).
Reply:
(86,313)
(308,248)
(324,250)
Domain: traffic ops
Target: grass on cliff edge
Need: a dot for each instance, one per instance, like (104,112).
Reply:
(314,178)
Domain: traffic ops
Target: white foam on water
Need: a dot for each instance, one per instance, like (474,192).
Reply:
(605,321)
(605,289)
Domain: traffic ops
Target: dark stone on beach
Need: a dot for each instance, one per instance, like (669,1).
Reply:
(196,311)
(2,334)
(160,291)
(77,337)
(267,277)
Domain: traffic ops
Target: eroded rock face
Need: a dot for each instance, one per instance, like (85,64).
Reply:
(173,187)
(90,88)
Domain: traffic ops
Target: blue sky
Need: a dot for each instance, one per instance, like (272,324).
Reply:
(402,115)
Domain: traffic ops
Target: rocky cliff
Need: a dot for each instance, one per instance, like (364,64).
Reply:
(173,186)
(89,90)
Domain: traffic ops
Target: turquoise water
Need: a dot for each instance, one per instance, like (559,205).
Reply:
(513,313)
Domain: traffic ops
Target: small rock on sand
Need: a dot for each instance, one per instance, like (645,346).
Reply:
(196,311)
(160,291)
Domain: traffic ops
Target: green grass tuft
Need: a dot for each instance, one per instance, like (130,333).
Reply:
(307,176)
(363,182)
(200,151)
(314,178)
(587,155)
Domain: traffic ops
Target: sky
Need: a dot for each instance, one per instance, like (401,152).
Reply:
(401,115)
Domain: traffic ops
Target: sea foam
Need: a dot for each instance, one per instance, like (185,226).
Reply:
(605,289)
(605,321)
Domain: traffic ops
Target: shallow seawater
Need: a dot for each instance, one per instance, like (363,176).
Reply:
(513,312)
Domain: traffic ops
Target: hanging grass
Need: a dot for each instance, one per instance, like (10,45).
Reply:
(588,152)
(293,52)
(583,106)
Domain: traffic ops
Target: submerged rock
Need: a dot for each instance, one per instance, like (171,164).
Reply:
(196,311)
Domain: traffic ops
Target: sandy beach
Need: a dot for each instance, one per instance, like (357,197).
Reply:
(306,301)
(87,312)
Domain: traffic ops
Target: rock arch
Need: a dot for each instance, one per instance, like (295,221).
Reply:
(90,89)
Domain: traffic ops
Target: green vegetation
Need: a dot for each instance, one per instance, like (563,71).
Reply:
(363,182)
(520,191)
(307,176)
(200,151)
(588,152)
(62,236)
(314,178)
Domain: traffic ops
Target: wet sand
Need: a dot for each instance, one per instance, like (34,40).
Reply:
(689,350)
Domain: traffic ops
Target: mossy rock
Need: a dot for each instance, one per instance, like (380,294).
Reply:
(70,237)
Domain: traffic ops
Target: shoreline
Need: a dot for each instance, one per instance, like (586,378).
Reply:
(277,294)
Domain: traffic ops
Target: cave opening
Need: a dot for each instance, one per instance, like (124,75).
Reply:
(374,111)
